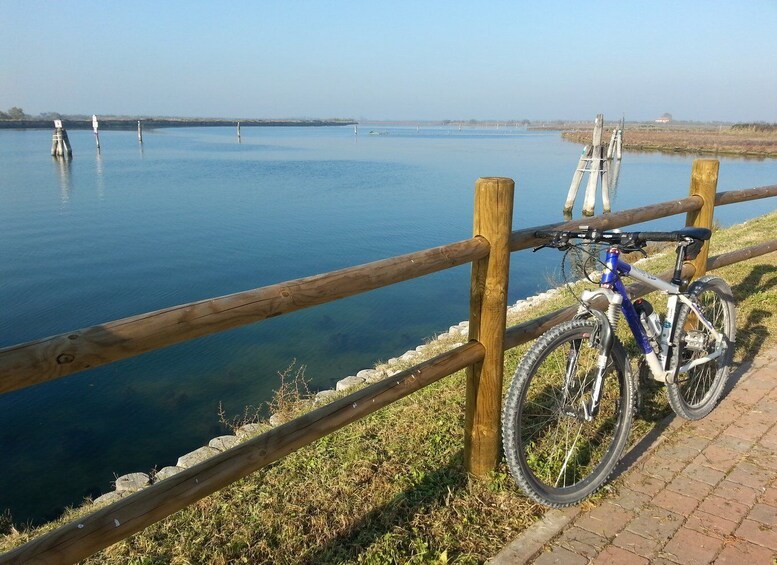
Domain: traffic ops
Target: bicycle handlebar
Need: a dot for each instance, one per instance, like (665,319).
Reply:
(628,239)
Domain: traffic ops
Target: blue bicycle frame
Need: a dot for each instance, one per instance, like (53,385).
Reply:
(612,287)
(616,294)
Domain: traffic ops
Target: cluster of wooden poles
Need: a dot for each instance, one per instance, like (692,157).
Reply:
(60,144)
(603,166)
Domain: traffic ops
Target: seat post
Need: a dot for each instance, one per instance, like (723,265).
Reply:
(677,277)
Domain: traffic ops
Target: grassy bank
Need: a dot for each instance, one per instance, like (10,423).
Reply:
(724,140)
(391,488)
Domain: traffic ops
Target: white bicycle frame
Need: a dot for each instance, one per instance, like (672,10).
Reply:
(613,290)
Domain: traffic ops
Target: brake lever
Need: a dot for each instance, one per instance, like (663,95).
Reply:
(634,250)
(561,243)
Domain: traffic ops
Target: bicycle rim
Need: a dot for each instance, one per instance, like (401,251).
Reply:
(695,392)
(561,456)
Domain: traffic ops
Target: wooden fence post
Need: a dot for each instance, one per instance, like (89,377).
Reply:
(488,311)
(704,183)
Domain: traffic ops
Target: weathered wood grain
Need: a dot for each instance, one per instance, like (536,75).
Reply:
(704,184)
(488,311)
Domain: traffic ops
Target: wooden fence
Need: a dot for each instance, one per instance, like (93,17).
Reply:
(489,252)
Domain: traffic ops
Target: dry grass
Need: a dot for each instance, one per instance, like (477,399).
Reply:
(391,488)
(701,140)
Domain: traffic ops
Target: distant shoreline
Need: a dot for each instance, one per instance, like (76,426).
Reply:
(699,140)
(132,123)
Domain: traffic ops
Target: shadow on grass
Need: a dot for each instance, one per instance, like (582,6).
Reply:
(429,492)
(754,282)
(752,334)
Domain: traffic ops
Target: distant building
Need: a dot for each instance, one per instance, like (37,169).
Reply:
(664,119)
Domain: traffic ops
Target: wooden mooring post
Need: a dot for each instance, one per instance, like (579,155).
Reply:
(595,169)
(95,126)
(488,311)
(60,144)
(577,178)
(140,132)
(596,161)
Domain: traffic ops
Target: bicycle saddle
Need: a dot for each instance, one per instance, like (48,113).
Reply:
(702,234)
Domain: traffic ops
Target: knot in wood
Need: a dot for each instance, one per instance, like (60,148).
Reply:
(65,358)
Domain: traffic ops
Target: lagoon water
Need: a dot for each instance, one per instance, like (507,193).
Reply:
(192,214)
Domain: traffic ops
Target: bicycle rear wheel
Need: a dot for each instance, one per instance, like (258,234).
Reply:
(554,453)
(695,392)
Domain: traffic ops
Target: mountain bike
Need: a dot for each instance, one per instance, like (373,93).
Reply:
(569,409)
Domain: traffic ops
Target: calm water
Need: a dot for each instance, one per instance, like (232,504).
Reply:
(194,214)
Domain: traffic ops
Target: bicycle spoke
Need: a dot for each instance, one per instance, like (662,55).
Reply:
(698,388)
(561,446)
(570,451)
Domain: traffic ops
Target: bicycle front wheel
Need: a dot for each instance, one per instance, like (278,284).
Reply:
(697,388)
(556,454)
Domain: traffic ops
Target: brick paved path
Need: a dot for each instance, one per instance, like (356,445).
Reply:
(699,492)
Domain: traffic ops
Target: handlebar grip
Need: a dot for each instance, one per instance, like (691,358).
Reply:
(658,236)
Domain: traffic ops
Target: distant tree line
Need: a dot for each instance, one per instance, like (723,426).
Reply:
(755,126)
(17,113)
(14,113)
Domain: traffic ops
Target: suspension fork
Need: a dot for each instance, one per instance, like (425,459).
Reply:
(606,340)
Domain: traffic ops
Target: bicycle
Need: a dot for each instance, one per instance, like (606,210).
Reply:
(569,409)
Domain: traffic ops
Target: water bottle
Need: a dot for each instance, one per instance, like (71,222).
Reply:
(648,317)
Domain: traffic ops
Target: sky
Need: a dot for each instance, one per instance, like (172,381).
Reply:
(700,60)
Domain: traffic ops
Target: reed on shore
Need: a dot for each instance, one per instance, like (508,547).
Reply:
(755,141)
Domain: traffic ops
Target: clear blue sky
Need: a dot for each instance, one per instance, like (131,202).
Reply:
(698,60)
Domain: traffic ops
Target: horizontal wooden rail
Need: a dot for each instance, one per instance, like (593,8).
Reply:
(524,239)
(81,538)
(57,356)
(741,254)
(734,196)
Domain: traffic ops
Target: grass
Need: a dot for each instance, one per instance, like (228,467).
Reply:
(749,142)
(391,487)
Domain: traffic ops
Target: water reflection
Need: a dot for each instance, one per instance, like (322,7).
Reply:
(63,170)
(100,180)
(614,174)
